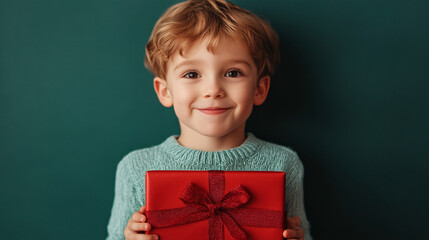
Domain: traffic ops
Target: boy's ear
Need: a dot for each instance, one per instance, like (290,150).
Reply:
(261,91)
(162,92)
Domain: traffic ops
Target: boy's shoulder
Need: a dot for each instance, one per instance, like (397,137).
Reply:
(138,155)
(277,149)
(142,156)
(284,155)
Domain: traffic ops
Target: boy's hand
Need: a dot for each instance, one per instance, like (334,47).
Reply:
(137,226)
(294,230)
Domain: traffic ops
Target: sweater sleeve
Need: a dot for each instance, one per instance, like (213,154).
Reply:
(295,194)
(123,204)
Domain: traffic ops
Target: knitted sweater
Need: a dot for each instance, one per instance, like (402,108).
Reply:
(253,155)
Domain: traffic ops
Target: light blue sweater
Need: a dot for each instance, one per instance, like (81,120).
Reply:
(253,155)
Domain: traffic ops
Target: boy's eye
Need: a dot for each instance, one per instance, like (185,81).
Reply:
(191,75)
(233,74)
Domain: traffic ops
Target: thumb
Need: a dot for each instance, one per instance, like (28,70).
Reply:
(142,209)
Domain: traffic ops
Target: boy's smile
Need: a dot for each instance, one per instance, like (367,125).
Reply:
(213,110)
(212,93)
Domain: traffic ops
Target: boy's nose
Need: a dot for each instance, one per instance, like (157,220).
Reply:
(214,93)
(214,90)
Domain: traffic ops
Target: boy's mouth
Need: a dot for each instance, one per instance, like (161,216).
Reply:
(213,110)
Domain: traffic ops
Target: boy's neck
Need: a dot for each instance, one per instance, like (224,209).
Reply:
(194,140)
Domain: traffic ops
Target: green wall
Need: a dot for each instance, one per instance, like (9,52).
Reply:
(350,98)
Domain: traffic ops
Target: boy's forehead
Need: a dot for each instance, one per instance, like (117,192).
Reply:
(225,50)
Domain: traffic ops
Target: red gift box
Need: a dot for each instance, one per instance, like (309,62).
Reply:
(216,205)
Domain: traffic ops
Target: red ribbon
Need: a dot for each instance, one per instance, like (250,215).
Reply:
(220,209)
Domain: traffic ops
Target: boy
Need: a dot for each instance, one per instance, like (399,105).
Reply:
(212,62)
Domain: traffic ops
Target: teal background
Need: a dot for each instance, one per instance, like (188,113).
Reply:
(350,98)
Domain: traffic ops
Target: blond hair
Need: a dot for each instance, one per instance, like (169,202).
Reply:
(187,22)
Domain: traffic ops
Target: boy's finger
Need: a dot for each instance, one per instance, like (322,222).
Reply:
(297,220)
(142,209)
(293,233)
(289,234)
(293,222)
(142,236)
(138,217)
(147,237)
(139,227)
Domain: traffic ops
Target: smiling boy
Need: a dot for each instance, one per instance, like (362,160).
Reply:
(212,62)
(212,93)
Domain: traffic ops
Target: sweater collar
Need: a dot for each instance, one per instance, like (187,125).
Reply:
(214,159)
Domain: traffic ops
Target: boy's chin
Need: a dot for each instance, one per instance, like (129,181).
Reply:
(221,134)
(208,130)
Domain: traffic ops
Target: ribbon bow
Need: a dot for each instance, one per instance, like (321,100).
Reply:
(195,197)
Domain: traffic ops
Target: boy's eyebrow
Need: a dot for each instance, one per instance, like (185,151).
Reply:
(186,62)
(242,62)
(196,62)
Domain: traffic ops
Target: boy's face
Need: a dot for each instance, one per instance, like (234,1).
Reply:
(212,93)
